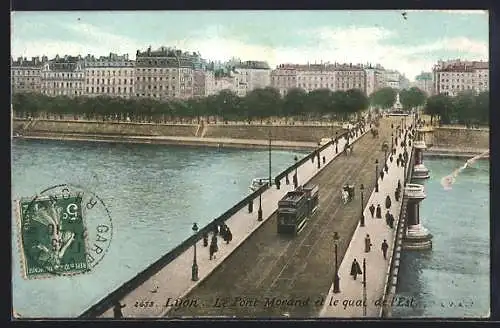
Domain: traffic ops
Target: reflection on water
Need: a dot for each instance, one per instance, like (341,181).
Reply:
(154,194)
(452,279)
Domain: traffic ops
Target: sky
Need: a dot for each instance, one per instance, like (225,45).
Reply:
(385,37)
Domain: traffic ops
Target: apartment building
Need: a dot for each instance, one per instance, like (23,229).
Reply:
(26,74)
(164,73)
(225,83)
(251,75)
(454,76)
(284,78)
(63,76)
(349,76)
(111,76)
(203,82)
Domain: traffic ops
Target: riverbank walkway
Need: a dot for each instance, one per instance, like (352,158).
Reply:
(271,275)
(177,140)
(174,280)
(349,302)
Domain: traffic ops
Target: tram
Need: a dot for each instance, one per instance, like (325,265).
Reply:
(296,207)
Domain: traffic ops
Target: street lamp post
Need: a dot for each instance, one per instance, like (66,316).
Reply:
(364,287)
(194,268)
(296,177)
(318,154)
(376,175)
(392,141)
(259,212)
(362,224)
(336,142)
(336,279)
(270,158)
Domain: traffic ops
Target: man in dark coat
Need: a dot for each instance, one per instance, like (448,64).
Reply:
(397,162)
(355,269)
(372,210)
(387,217)
(368,243)
(391,221)
(205,239)
(378,212)
(388,202)
(117,310)
(385,247)
(381,175)
(213,247)
(396,195)
(229,235)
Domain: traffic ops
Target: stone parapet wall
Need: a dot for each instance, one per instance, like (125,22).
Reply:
(453,138)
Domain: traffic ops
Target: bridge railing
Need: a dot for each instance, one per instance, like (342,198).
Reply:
(393,269)
(108,301)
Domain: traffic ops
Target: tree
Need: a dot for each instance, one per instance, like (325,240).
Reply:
(412,98)
(464,107)
(226,101)
(356,101)
(294,102)
(482,107)
(383,98)
(439,105)
(319,102)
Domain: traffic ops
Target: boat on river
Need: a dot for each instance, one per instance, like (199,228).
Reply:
(258,182)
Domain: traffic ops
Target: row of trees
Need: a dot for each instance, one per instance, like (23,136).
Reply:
(409,98)
(259,104)
(466,108)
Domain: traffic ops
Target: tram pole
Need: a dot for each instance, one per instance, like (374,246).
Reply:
(336,279)
(364,287)
(194,268)
(362,224)
(376,175)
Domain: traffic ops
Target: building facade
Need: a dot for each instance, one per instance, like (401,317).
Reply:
(112,76)
(454,76)
(63,76)
(26,74)
(164,73)
(203,82)
(350,77)
(284,78)
(223,83)
(251,75)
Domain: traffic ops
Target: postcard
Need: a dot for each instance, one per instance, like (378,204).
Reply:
(250,164)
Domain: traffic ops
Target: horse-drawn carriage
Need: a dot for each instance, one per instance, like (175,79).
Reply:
(347,193)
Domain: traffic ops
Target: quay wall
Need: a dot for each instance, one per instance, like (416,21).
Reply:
(302,133)
(450,137)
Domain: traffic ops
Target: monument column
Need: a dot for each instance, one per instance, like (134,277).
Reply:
(417,237)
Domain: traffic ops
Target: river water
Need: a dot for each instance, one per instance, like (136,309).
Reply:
(452,279)
(156,192)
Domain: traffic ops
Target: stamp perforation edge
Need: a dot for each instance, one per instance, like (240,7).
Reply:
(20,244)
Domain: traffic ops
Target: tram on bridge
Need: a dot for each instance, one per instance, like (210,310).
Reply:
(296,207)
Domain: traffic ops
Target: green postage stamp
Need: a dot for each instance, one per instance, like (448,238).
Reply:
(62,233)
(52,236)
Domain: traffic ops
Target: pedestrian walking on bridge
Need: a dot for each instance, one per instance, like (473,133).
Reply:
(213,247)
(355,269)
(368,243)
(372,210)
(388,202)
(117,310)
(378,214)
(205,239)
(385,247)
